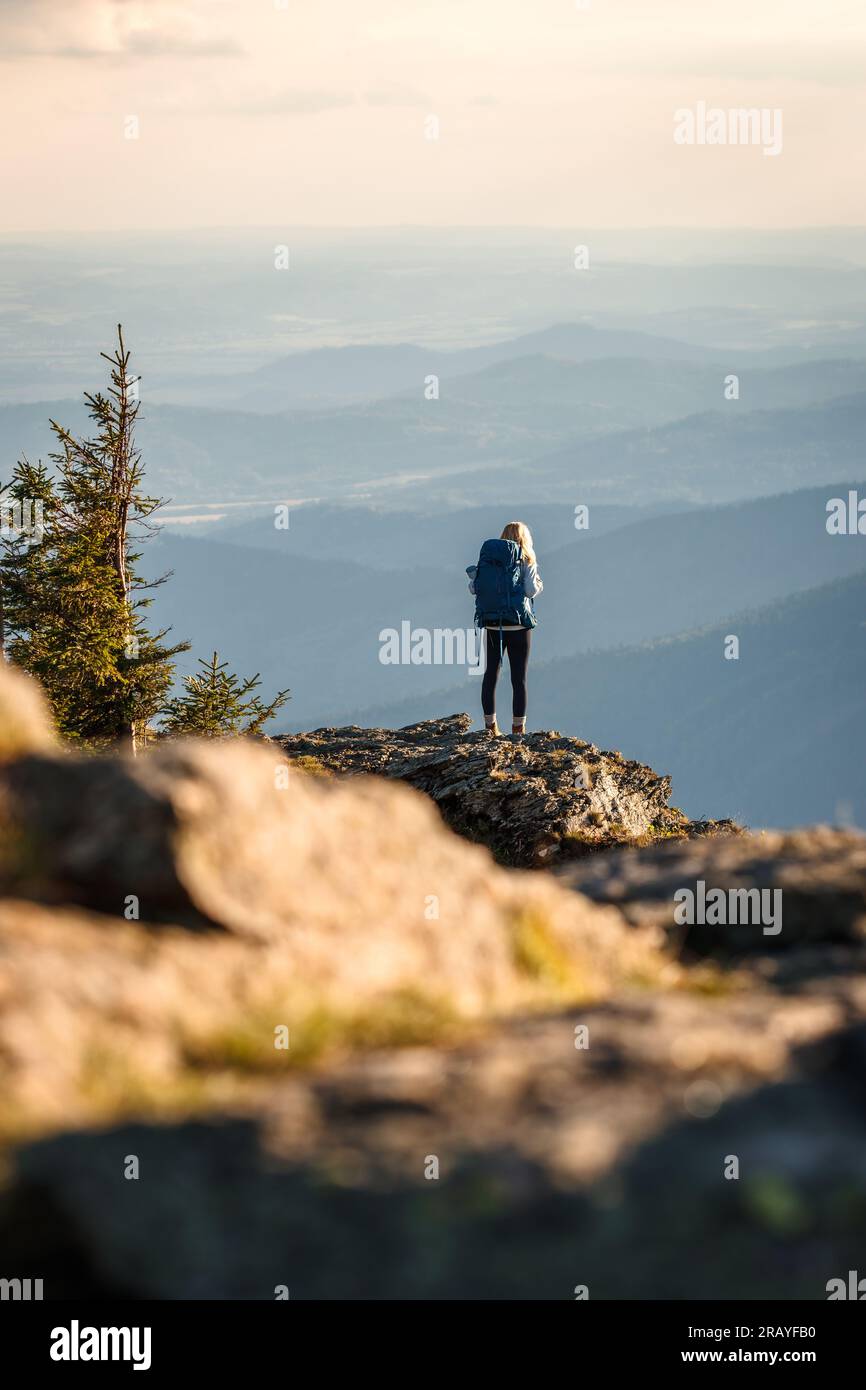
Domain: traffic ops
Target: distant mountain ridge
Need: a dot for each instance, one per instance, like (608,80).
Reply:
(716,457)
(331,376)
(515,440)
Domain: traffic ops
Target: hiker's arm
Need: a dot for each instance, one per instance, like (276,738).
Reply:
(472,570)
(532,585)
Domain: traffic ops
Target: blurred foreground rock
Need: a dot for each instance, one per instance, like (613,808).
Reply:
(608,1168)
(818,874)
(25,722)
(494,1083)
(201,896)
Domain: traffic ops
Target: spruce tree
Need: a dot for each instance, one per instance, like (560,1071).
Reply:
(73,603)
(218,704)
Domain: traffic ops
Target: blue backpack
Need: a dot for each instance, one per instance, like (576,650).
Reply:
(499,596)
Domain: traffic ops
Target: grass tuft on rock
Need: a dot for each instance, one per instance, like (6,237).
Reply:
(539,955)
(404,1018)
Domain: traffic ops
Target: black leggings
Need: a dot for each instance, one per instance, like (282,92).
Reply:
(517,646)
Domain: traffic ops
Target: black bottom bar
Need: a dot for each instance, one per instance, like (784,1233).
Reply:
(163,1339)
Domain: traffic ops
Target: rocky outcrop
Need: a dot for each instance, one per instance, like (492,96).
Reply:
(533,801)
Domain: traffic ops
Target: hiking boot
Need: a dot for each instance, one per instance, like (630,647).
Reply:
(492,729)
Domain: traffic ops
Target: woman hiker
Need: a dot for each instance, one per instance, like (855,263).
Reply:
(505,581)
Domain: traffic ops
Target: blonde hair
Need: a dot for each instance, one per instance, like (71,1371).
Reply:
(520,533)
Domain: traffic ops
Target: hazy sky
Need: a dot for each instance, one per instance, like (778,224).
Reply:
(270,112)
